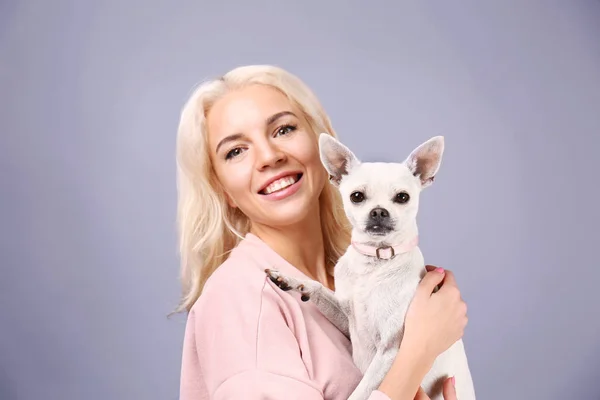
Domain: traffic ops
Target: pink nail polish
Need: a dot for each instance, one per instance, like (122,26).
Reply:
(440,270)
(453,381)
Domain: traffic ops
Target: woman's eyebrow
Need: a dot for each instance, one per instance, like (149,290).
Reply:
(227,139)
(278,115)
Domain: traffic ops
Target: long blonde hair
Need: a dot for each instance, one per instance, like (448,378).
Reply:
(208,227)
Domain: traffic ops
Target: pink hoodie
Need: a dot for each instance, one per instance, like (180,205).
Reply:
(247,339)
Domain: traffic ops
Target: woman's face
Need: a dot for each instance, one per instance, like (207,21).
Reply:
(265,156)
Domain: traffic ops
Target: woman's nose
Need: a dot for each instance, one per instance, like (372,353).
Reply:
(269,155)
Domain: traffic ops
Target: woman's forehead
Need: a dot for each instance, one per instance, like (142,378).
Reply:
(246,109)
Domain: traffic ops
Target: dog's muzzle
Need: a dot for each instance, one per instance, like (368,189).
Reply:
(379,222)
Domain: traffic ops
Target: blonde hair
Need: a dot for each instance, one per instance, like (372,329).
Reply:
(208,227)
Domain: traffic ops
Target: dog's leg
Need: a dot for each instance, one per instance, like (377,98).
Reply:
(322,297)
(373,376)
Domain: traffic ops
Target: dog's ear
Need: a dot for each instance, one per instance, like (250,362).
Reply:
(337,158)
(424,162)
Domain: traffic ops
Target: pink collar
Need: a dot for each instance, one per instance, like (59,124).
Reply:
(386,252)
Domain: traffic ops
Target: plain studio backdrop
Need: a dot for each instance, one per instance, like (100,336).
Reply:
(90,95)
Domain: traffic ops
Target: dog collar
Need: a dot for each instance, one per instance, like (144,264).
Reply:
(385,252)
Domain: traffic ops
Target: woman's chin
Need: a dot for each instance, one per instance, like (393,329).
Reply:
(286,213)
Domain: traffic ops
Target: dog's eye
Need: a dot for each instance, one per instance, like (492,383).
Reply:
(402,198)
(357,197)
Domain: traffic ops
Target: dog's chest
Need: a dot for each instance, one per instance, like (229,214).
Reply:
(380,297)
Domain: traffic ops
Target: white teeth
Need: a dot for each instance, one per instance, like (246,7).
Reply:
(280,184)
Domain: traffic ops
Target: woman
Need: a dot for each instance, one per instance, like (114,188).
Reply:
(253,194)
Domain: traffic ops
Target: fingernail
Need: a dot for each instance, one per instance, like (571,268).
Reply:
(453,381)
(440,270)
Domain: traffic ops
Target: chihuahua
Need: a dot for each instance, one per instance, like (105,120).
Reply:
(377,276)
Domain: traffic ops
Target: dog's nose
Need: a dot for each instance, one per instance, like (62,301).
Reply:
(379,213)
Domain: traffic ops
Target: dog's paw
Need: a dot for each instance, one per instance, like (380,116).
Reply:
(278,279)
(288,283)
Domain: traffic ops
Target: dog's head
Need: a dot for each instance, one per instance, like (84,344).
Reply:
(380,199)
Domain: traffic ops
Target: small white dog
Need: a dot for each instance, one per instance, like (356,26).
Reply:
(379,273)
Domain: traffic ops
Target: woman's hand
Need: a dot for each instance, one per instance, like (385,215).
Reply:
(448,391)
(435,321)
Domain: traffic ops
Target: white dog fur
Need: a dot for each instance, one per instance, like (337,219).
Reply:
(372,294)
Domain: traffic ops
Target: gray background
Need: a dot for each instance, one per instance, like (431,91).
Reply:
(90,94)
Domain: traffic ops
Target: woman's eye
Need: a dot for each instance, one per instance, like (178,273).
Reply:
(285,129)
(233,153)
